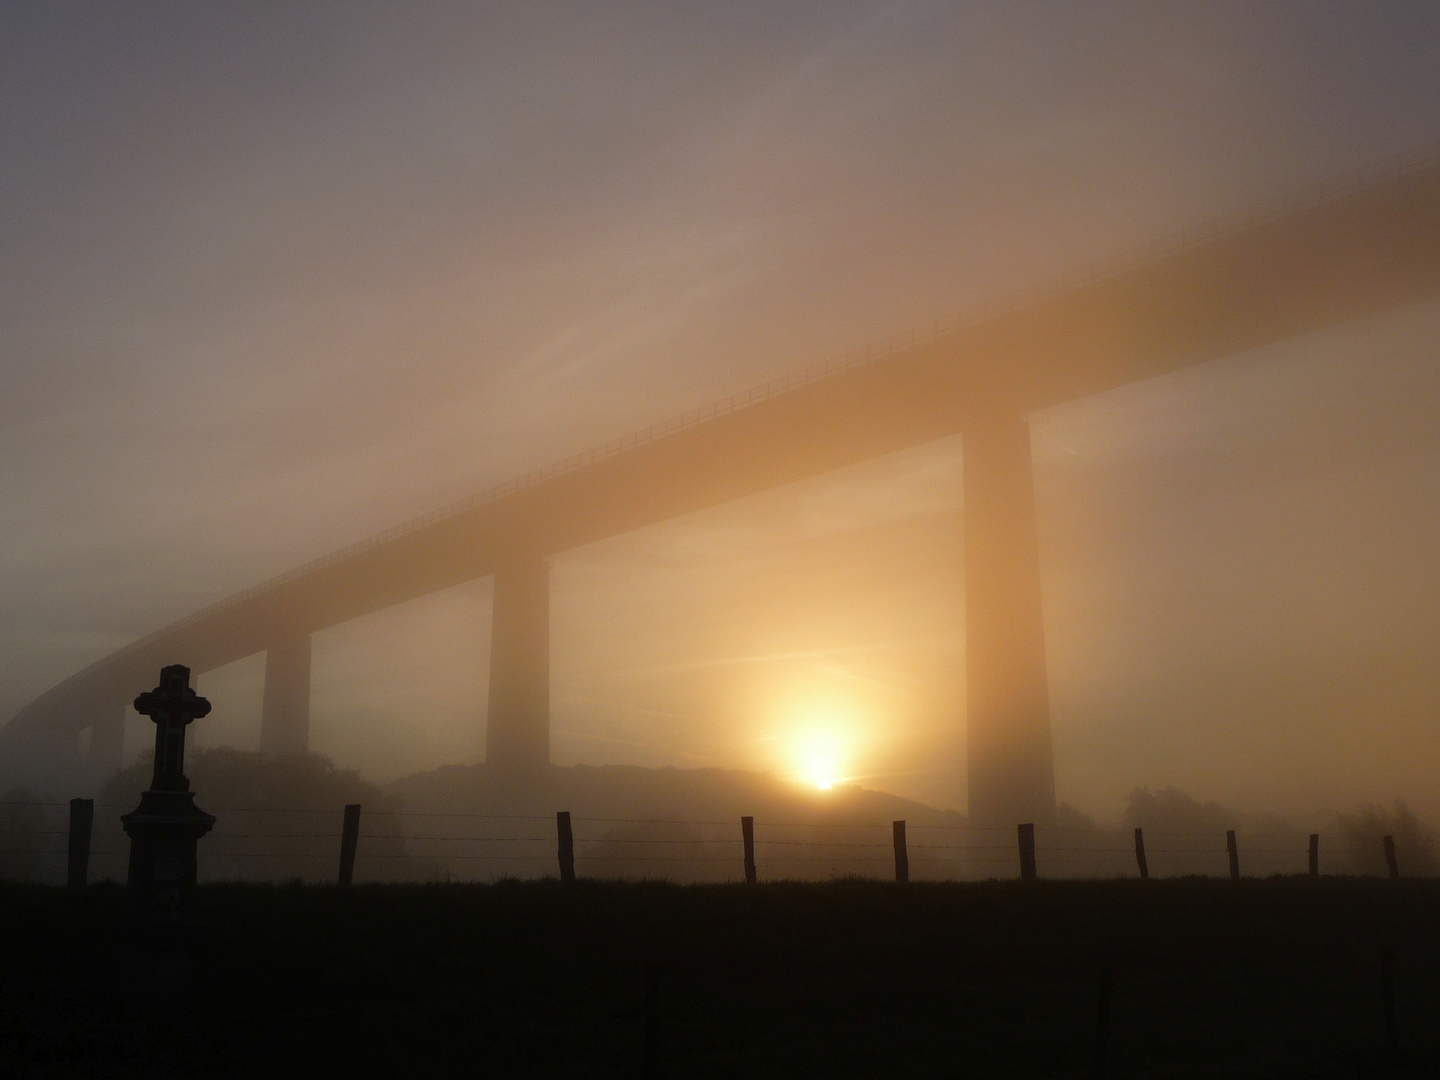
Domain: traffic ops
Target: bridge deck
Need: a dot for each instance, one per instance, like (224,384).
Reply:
(1364,250)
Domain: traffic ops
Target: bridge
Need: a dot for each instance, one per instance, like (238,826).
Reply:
(1346,251)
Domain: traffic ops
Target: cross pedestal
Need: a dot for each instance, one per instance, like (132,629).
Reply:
(164,828)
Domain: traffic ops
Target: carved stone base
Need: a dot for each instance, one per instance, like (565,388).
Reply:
(163,831)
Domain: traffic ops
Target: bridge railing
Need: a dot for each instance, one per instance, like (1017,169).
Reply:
(1201,232)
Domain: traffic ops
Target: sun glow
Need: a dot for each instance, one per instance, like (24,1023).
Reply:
(820,754)
(822,743)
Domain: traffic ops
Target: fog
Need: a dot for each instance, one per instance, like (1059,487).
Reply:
(276,278)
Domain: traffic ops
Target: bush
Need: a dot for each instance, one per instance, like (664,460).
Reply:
(1170,810)
(1365,830)
(278,816)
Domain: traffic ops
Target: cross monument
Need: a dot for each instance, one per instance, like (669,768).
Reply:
(166,825)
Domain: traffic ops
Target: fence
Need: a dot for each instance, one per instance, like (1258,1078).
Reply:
(329,845)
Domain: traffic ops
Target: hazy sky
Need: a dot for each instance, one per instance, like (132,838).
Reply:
(277,276)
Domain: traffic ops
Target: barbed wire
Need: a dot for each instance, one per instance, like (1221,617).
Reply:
(942,851)
(1040,830)
(839,846)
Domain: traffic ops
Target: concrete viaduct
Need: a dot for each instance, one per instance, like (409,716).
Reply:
(1354,250)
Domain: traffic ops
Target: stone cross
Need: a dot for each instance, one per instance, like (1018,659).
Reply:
(164,828)
(172,705)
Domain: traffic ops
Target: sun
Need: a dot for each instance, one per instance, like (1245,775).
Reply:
(821,742)
(820,755)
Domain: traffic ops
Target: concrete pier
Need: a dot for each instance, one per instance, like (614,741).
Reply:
(517,739)
(1011,772)
(285,714)
(1373,247)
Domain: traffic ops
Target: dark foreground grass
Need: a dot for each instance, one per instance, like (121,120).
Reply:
(1272,978)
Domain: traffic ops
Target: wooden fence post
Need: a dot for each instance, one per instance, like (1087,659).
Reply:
(82,816)
(1234,851)
(567,846)
(1027,851)
(1314,854)
(747,833)
(902,856)
(349,838)
(1390,857)
(1140,853)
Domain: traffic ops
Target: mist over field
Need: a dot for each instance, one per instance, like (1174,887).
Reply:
(277,278)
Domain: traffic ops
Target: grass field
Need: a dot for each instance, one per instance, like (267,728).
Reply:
(1262,978)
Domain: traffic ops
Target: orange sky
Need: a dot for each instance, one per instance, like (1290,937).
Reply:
(276,278)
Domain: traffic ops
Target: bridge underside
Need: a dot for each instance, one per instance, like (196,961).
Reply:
(1011,773)
(1369,250)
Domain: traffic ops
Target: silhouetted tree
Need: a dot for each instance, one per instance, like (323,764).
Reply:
(255,781)
(1364,832)
(1170,810)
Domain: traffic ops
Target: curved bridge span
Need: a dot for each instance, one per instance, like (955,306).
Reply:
(1354,249)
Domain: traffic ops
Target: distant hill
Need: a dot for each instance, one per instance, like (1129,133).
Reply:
(679,824)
